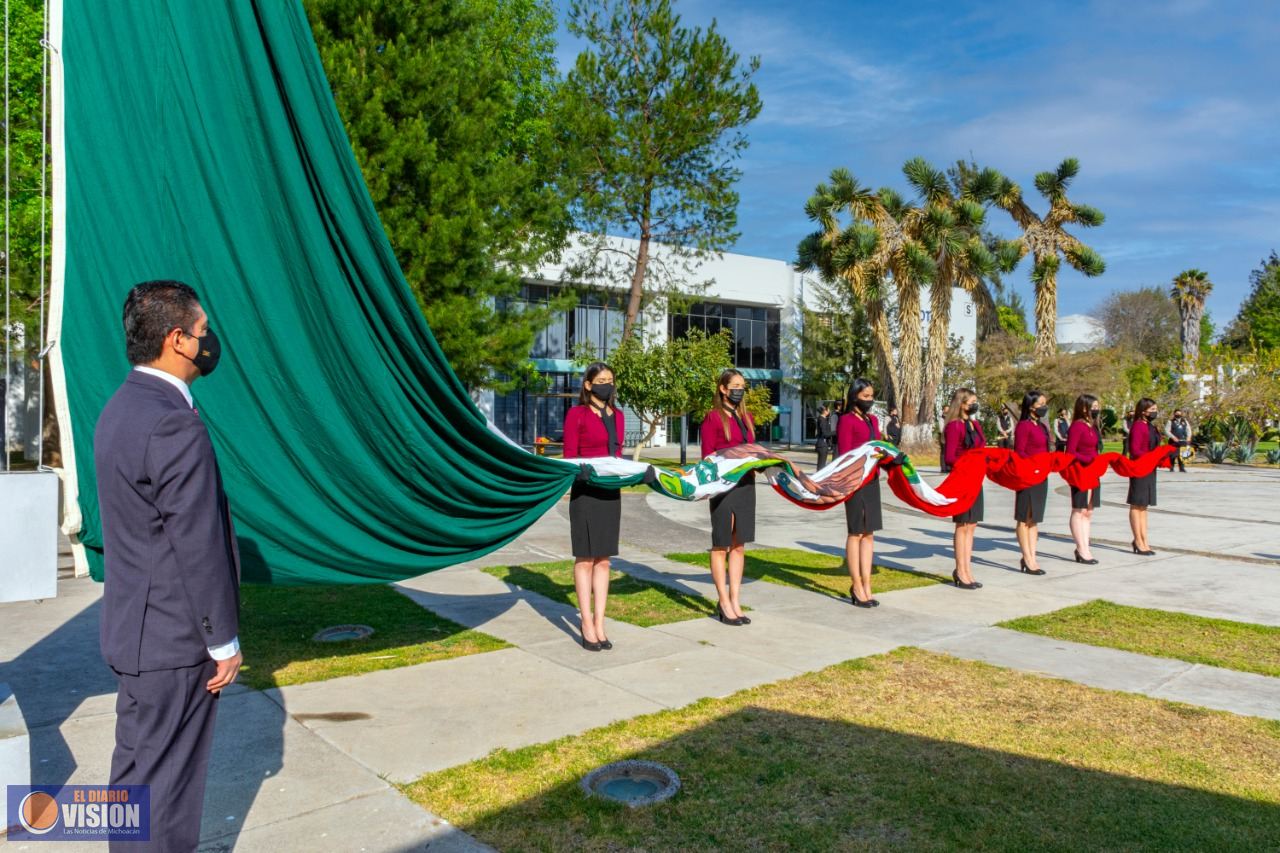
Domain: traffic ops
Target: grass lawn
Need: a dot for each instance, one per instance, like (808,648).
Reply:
(814,572)
(277,624)
(906,751)
(1195,639)
(630,600)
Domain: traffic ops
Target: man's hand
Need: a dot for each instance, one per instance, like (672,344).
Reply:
(227,671)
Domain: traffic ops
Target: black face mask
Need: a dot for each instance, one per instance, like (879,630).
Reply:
(736,395)
(1094,413)
(1041,412)
(207,353)
(864,406)
(1151,416)
(972,409)
(602,391)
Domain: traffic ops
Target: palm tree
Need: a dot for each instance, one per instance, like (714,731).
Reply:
(1190,290)
(880,244)
(1047,240)
(952,229)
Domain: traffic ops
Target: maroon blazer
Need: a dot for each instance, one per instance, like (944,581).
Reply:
(585,436)
(1030,438)
(712,432)
(1142,437)
(953,436)
(1083,441)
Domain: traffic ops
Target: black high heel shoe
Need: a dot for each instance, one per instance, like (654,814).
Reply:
(858,602)
(1022,565)
(1146,553)
(728,620)
(1080,559)
(955,577)
(605,644)
(744,619)
(588,645)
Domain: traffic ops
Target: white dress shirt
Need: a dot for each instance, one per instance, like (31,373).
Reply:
(227,650)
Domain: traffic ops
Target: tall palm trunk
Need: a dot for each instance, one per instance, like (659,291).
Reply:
(1191,314)
(909,350)
(936,358)
(1047,314)
(882,339)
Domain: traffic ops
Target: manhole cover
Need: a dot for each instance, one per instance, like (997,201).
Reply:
(338,633)
(634,783)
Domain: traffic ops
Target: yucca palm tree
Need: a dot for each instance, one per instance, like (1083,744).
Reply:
(1047,241)
(1189,291)
(869,239)
(952,229)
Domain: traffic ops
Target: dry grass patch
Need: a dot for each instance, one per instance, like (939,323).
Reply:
(1195,639)
(277,624)
(630,600)
(814,572)
(909,750)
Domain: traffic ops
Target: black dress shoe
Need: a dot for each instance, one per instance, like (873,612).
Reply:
(591,647)
(728,620)
(744,619)
(858,602)
(955,577)
(1080,559)
(1146,553)
(1023,567)
(606,645)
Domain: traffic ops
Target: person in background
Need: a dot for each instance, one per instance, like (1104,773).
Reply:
(1084,441)
(862,510)
(826,434)
(1126,424)
(594,428)
(1143,437)
(1178,431)
(1031,436)
(733,514)
(1060,428)
(962,433)
(1004,426)
(893,429)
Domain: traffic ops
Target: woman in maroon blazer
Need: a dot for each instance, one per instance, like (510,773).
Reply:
(733,514)
(862,513)
(594,428)
(1084,441)
(962,433)
(1142,490)
(1031,436)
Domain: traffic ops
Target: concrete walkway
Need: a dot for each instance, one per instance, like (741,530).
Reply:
(315,760)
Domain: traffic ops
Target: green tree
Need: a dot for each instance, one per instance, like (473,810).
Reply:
(447,108)
(656,112)
(1013,321)
(1258,321)
(1047,240)
(832,346)
(1189,291)
(661,379)
(1143,320)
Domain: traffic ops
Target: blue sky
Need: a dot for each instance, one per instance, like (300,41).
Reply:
(1172,108)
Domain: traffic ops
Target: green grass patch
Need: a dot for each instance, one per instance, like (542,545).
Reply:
(1195,639)
(814,572)
(277,624)
(905,751)
(631,600)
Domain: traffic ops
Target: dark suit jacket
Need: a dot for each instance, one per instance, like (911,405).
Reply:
(172,570)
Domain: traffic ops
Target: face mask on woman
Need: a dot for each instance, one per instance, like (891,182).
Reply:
(736,395)
(972,408)
(1041,412)
(864,406)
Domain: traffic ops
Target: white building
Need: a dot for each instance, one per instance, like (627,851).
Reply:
(757,299)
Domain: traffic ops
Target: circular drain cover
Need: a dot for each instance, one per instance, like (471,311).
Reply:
(338,633)
(633,783)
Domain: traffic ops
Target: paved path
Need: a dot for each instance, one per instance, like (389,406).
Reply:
(314,760)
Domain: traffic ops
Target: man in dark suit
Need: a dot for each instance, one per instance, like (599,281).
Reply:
(170,607)
(826,434)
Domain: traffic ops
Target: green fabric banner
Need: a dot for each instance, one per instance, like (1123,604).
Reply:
(202,144)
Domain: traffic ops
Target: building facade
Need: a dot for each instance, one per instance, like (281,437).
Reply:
(758,300)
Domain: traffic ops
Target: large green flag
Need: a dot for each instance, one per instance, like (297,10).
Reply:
(202,144)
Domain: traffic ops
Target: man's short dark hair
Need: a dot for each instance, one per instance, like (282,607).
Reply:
(152,310)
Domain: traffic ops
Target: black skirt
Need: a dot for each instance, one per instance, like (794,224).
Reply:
(1028,504)
(735,508)
(1142,491)
(1079,498)
(973,514)
(862,511)
(594,519)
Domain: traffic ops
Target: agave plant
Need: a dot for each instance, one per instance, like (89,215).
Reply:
(1243,454)
(1216,452)
(1273,457)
